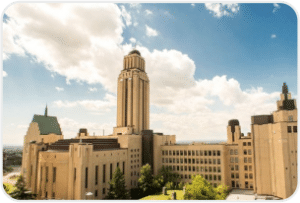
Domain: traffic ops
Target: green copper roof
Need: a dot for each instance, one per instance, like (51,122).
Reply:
(47,124)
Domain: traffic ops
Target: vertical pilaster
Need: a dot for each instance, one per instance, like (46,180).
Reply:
(129,103)
(141,105)
(119,102)
(136,85)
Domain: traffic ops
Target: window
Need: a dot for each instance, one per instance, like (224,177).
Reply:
(236,167)
(177,160)
(209,161)
(232,184)
(236,160)
(96,175)
(246,168)
(110,171)
(215,169)
(96,193)
(185,161)
(47,170)
(162,152)
(232,167)
(209,153)
(231,152)
(189,152)
(185,152)
(190,168)
(193,153)
(104,173)
(237,175)
(219,169)
(197,153)
(249,143)
(219,161)
(177,152)
(54,174)
(201,153)
(249,160)
(214,161)
(174,153)
(201,161)
(232,175)
(250,168)
(205,161)
(181,152)
(246,175)
(249,151)
(86,177)
(250,175)
(205,153)
(214,153)
(74,174)
(185,168)
(193,161)
(295,129)
(289,129)
(210,169)
(236,152)
(231,160)
(53,195)
(245,160)
(177,168)
(181,160)
(46,194)
(219,153)
(245,151)
(244,144)
(103,191)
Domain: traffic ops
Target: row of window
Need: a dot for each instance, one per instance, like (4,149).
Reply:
(47,174)
(195,168)
(236,160)
(135,161)
(246,143)
(207,177)
(191,161)
(135,150)
(289,129)
(235,184)
(191,152)
(236,175)
(135,155)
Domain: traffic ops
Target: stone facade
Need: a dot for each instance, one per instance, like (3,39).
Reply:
(264,160)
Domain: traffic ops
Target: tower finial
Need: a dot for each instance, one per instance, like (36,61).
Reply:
(46,111)
(285,89)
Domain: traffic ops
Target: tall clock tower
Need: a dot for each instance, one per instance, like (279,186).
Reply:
(133,96)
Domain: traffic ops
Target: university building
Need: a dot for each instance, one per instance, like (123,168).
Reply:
(264,160)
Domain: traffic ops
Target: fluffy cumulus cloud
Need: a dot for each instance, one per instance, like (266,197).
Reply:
(4,74)
(150,32)
(222,9)
(59,89)
(276,7)
(148,12)
(132,40)
(273,36)
(93,89)
(101,106)
(126,15)
(70,127)
(84,43)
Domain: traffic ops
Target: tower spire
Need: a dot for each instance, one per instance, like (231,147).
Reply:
(46,111)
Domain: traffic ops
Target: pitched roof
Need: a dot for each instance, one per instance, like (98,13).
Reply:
(47,124)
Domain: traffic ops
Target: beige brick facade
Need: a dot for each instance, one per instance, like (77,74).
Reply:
(264,160)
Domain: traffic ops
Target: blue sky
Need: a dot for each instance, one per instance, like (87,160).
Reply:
(207,63)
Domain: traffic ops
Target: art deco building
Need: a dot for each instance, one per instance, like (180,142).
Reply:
(264,161)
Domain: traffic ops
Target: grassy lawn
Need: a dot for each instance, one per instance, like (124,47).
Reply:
(10,187)
(179,196)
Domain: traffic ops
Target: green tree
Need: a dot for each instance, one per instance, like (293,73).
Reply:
(221,192)
(146,180)
(158,183)
(168,175)
(117,189)
(200,189)
(21,192)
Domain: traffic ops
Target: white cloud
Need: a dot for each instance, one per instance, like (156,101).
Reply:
(135,24)
(148,12)
(93,89)
(150,32)
(273,36)
(23,126)
(59,89)
(222,9)
(276,8)
(132,40)
(4,74)
(193,5)
(126,15)
(70,127)
(104,105)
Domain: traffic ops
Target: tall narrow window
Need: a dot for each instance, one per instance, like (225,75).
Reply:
(54,174)
(86,177)
(104,172)
(123,167)
(47,170)
(96,175)
(110,171)
(295,129)
(41,173)
(289,129)
(74,174)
